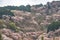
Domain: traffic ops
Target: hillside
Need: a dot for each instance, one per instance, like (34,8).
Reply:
(30,22)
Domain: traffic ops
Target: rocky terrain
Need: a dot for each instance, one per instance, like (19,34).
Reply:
(31,25)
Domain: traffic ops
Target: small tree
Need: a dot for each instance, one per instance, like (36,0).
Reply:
(0,36)
(12,26)
(53,26)
(1,24)
(28,8)
(22,8)
(48,4)
(39,5)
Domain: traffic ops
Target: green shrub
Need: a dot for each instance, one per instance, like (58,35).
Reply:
(4,11)
(2,24)
(0,36)
(13,26)
(53,26)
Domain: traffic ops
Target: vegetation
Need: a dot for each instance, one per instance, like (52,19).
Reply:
(1,36)
(12,26)
(28,8)
(11,7)
(42,38)
(22,8)
(53,26)
(4,11)
(39,5)
(1,24)
(48,4)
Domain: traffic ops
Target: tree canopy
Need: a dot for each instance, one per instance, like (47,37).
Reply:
(4,11)
(53,26)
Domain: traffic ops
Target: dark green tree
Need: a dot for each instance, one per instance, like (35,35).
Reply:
(4,11)
(39,5)
(22,8)
(48,5)
(11,7)
(53,26)
(28,8)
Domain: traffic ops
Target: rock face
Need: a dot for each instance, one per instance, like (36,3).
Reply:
(9,35)
(6,38)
